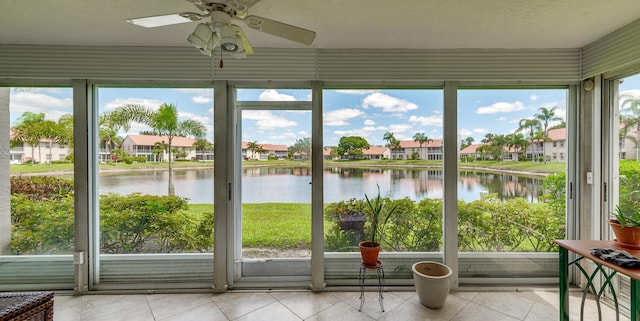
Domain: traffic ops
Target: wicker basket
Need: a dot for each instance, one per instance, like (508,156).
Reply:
(32,306)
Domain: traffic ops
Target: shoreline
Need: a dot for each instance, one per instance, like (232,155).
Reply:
(340,165)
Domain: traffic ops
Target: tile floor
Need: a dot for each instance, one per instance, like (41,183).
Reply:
(333,306)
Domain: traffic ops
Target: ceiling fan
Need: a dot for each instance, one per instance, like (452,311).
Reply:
(220,31)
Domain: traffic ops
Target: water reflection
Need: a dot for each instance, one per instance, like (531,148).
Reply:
(292,185)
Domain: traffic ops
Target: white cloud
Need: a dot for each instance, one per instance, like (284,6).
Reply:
(534,97)
(273,95)
(388,103)
(355,91)
(339,117)
(266,120)
(465,132)
(352,132)
(151,103)
(38,103)
(435,120)
(502,118)
(372,129)
(400,128)
(202,119)
(201,99)
(501,107)
(480,130)
(369,122)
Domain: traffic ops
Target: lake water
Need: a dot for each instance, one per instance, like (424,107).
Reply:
(292,185)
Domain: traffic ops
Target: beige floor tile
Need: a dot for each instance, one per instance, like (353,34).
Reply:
(236,304)
(164,305)
(341,312)
(279,295)
(272,312)
(67,307)
(408,311)
(206,312)
(306,304)
(476,312)
(452,305)
(372,303)
(115,308)
(405,295)
(515,304)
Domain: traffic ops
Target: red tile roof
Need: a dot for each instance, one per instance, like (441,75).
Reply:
(414,144)
(149,140)
(374,150)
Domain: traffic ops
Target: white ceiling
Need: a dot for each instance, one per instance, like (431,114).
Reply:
(416,24)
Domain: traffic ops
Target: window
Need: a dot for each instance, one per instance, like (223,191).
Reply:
(168,211)
(497,209)
(37,230)
(404,124)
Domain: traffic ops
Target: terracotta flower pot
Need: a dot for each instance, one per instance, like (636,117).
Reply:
(625,234)
(369,253)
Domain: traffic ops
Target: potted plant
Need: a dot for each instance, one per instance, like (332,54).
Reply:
(369,250)
(626,227)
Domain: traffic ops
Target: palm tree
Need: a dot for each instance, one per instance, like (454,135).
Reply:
(518,143)
(202,145)
(498,143)
(254,147)
(392,142)
(159,148)
(466,142)
(545,116)
(65,124)
(29,129)
(109,125)
(421,138)
(51,131)
(531,125)
(163,121)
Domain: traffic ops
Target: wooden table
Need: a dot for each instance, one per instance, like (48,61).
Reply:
(583,249)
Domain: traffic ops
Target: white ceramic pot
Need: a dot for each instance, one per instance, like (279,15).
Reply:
(432,283)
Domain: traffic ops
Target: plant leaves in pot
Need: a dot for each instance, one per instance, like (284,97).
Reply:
(626,227)
(375,207)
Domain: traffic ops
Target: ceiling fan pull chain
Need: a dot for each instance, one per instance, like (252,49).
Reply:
(221,62)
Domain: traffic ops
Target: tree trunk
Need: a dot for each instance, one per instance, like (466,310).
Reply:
(171,188)
(5,187)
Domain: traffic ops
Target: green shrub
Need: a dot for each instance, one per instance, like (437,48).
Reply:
(144,224)
(33,200)
(41,188)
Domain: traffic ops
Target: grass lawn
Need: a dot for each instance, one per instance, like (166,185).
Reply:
(270,225)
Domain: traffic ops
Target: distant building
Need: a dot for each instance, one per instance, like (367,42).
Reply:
(44,152)
(279,151)
(142,145)
(431,150)
(471,151)
(376,152)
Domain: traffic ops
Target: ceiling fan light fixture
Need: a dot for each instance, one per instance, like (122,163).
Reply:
(228,39)
(201,36)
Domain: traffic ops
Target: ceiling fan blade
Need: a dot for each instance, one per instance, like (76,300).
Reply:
(281,29)
(157,21)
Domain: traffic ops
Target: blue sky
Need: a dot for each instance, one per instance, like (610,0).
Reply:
(366,113)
